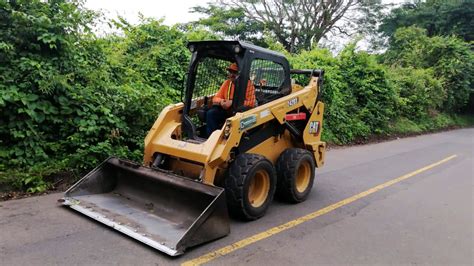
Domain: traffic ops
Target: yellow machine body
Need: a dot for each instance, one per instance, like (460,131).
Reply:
(204,161)
(190,181)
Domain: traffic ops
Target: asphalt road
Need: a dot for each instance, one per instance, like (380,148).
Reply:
(424,219)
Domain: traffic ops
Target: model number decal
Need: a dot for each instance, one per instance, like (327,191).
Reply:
(292,102)
(264,113)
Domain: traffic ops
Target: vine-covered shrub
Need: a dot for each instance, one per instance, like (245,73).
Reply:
(372,92)
(69,99)
(359,97)
(450,59)
(419,92)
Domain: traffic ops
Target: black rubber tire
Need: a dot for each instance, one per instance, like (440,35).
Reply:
(237,182)
(288,165)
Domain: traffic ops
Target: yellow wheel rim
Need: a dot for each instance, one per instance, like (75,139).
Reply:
(303,176)
(259,188)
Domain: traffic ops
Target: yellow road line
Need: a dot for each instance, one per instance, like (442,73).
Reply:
(277,229)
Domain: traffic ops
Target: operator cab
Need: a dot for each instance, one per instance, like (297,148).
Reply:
(266,70)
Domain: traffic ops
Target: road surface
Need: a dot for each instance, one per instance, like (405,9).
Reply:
(425,216)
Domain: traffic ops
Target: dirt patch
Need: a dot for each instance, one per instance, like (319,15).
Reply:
(61,181)
(12,195)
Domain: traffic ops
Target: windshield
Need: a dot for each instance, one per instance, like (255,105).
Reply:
(211,72)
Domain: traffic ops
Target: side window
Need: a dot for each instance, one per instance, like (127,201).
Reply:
(268,78)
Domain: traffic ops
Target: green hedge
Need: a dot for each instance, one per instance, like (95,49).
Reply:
(70,99)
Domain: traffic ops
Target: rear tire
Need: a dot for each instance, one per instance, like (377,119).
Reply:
(250,186)
(295,168)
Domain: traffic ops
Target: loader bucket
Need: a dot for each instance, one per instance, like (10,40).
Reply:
(160,209)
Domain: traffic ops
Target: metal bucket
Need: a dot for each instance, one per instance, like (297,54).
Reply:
(160,209)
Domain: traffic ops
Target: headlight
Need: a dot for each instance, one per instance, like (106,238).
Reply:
(237,49)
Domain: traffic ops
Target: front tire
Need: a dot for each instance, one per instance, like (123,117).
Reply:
(250,186)
(295,169)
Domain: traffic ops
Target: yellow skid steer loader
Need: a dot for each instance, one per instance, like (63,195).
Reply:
(199,167)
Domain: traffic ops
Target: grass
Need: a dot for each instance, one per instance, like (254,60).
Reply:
(404,126)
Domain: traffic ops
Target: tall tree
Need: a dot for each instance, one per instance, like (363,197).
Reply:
(438,17)
(230,22)
(296,24)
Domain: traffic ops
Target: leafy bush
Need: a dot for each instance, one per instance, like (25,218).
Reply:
(68,99)
(359,98)
(405,126)
(338,124)
(451,60)
(419,92)
(373,93)
(149,54)
(438,17)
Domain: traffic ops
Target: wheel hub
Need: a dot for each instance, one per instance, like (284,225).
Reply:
(259,188)
(303,177)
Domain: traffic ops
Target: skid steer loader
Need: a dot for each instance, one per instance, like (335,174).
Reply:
(191,180)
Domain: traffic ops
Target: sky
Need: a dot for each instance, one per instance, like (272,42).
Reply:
(174,11)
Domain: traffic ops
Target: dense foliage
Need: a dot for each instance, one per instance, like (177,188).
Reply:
(359,98)
(450,59)
(70,98)
(230,22)
(437,17)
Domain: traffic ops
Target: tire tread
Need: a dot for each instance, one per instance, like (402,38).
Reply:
(286,169)
(238,172)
